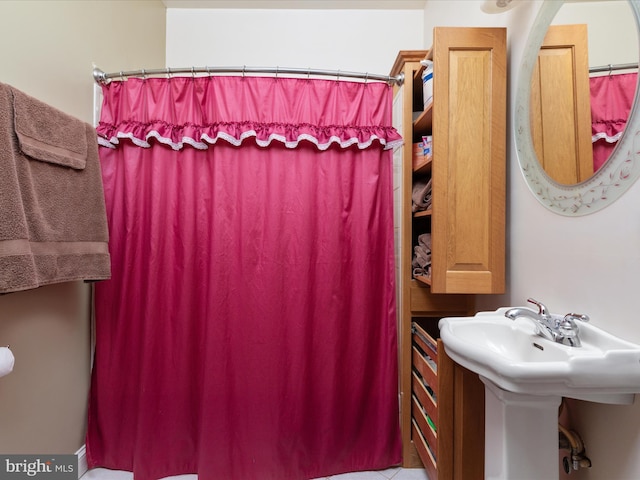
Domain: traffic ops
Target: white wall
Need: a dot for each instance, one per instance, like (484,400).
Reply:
(351,40)
(47,51)
(613,36)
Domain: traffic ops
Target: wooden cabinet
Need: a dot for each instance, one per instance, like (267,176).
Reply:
(442,404)
(469,148)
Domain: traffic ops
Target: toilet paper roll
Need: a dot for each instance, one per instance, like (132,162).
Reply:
(6,361)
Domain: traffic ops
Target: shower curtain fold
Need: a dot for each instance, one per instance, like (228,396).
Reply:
(248,330)
(611,101)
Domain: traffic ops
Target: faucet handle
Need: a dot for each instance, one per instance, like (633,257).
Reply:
(542,310)
(576,316)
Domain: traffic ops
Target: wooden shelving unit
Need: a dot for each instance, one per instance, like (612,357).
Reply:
(442,404)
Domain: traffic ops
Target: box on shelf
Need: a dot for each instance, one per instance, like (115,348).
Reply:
(422,150)
(427,82)
(427,145)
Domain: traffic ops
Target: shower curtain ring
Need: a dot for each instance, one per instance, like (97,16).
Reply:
(277,72)
(121,76)
(144,74)
(193,73)
(168,73)
(366,77)
(308,73)
(338,76)
(244,67)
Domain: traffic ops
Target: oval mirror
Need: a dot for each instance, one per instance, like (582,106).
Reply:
(566,172)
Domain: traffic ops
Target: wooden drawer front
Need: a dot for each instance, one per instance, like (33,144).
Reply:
(423,452)
(425,342)
(425,398)
(427,431)
(425,369)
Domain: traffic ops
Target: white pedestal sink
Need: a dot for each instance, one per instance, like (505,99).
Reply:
(525,378)
(521,435)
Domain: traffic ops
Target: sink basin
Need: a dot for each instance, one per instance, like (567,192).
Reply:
(525,378)
(510,354)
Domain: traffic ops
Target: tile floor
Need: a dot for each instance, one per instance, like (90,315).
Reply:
(389,474)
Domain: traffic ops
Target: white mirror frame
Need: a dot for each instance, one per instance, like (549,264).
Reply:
(612,179)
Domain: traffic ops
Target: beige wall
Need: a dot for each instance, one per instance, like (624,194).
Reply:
(48,48)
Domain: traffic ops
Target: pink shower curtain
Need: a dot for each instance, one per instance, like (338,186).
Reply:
(248,331)
(611,100)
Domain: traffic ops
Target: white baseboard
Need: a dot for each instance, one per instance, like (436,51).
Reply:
(83,466)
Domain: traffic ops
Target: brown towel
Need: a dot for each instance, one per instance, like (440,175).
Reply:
(421,261)
(49,134)
(421,195)
(52,215)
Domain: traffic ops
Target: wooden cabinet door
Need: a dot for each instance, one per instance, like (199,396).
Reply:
(469,156)
(561,105)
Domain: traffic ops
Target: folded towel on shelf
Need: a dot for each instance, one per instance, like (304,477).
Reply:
(421,195)
(421,262)
(53,225)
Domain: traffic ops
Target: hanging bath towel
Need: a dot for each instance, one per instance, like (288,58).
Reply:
(53,224)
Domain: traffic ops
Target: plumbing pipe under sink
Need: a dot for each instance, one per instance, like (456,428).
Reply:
(571,441)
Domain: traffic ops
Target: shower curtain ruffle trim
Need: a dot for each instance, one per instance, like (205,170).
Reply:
(607,138)
(289,135)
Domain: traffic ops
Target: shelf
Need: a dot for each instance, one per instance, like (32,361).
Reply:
(426,342)
(424,166)
(421,445)
(428,433)
(427,398)
(423,279)
(423,123)
(423,213)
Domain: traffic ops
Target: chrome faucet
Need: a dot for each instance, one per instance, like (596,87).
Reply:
(557,328)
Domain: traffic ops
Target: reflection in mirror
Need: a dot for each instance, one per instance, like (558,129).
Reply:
(580,97)
(560,106)
(587,193)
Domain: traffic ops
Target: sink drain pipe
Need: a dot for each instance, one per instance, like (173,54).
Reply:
(570,440)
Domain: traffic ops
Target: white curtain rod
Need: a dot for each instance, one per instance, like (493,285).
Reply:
(104,78)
